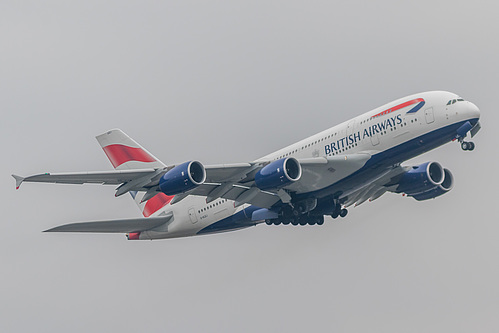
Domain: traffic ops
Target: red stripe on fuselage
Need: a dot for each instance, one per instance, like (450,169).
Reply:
(119,154)
(398,107)
(156,203)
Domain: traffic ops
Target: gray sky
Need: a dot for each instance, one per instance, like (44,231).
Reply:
(230,81)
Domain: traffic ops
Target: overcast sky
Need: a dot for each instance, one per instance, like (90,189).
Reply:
(231,81)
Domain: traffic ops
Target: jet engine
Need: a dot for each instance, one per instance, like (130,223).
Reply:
(421,178)
(443,188)
(182,178)
(278,174)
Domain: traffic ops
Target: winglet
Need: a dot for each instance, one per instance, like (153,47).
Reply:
(19,180)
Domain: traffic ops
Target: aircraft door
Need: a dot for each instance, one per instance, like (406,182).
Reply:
(192,215)
(429,115)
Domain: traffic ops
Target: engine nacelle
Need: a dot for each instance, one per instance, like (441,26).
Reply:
(443,188)
(278,174)
(421,179)
(182,178)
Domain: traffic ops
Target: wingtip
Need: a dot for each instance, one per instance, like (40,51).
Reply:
(19,181)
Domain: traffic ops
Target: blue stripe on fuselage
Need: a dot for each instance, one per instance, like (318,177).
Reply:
(417,107)
(239,220)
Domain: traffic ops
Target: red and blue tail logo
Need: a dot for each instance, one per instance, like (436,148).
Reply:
(154,204)
(125,153)
(119,154)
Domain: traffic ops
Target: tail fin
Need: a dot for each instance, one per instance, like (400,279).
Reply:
(125,153)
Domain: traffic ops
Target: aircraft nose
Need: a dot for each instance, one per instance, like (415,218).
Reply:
(473,112)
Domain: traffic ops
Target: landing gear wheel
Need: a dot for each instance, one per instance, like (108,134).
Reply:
(268,222)
(294,221)
(467,145)
(343,212)
(277,221)
(285,222)
(336,211)
(303,222)
(320,220)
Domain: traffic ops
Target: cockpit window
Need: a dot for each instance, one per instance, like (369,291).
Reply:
(452,101)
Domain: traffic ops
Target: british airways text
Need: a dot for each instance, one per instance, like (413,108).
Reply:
(368,132)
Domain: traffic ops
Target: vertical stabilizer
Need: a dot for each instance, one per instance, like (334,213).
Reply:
(125,153)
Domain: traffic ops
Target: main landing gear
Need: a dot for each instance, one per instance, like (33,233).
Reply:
(301,220)
(339,211)
(305,213)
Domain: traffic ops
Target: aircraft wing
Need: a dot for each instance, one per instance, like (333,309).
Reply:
(114,177)
(230,181)
(388,180)
(115,226)
(236,182)
(382,182)
(137,180)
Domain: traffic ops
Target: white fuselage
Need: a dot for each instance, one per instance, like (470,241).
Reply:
(371,132)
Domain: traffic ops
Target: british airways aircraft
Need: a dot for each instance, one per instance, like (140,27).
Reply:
(324,174)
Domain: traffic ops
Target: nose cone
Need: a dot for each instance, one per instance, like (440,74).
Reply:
(473,112)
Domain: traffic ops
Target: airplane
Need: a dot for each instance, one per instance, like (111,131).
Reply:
(322,175)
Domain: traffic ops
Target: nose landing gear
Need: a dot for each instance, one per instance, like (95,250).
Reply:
(467,146)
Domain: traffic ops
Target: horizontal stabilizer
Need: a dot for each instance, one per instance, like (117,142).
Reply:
(116,226)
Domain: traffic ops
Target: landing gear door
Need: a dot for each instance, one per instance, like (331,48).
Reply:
(475,129)
(192,215)
(429,115)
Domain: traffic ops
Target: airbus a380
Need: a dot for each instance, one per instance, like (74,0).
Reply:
(324,174)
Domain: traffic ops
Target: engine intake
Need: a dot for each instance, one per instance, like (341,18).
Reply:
(443,188)
(278,174)
(421,178)
(182,178)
